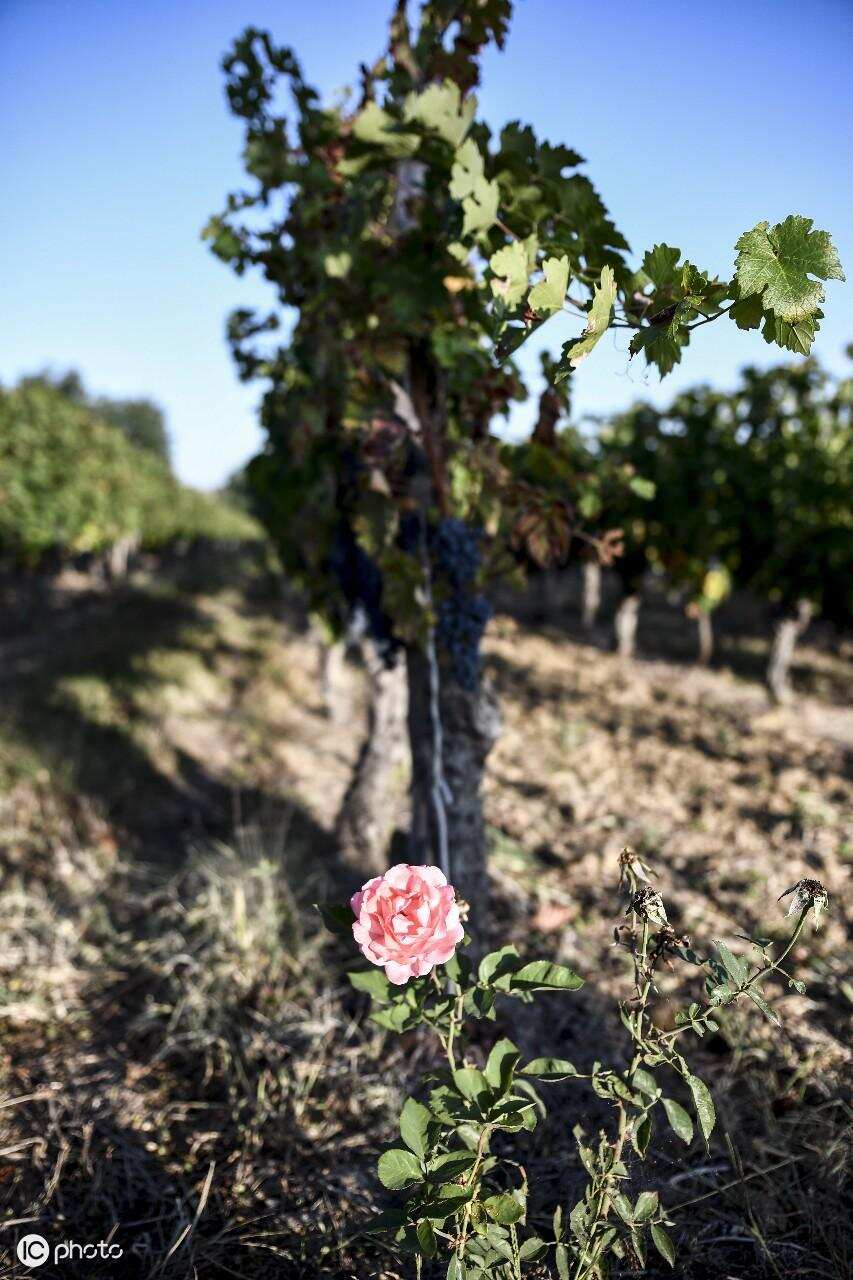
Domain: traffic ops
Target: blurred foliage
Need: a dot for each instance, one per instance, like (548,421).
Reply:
(72,483)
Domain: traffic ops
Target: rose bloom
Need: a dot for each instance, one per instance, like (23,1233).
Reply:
(407,921)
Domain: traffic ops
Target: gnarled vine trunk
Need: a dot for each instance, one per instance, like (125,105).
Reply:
(626,625)
(447,773)
(366,816)
(788,632)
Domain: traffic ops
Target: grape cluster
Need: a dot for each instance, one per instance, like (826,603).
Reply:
(462,619)
(462,612)
(360,580)
(455,548)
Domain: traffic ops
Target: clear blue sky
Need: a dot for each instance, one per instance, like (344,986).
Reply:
(697,120)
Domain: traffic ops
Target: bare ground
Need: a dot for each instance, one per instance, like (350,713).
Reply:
(183,1064)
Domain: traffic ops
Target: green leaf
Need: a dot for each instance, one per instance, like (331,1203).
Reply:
(561,1257)
(542,975)
(506,1207)
(645,1082)
(440,107)
(760,1003)
(660,265)
(468,169)
(471,1083)
(337,918)
(500,1065)
(735,966)
(532,1248)
(374,982)
(399,1168)
(454,1269)
(679,1119)
(510,268)
(644,489)
(704,1104)
(426,1238)
(337,265)
(663,1244)
(480,208)
(598,321)
(549,295)
(641,1136)
(777,263)
(661,345)
(415,1120)
(397,1018)
(797,337)
(497,964)
(451,1164)
(646,1206)
(550,1069)
(448,1199)
(376,127)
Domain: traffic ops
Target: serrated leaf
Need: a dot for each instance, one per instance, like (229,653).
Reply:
(426,1238)
(778,263)
(497,964)
(549,295)
(510,267)
(452,1163)
(468,168)
(797,337)
(532,1248)
(645,1082)
(500,1065)
(660,265)
(374,982)
(598,321)
(542,975)
(480,208)
(399,1168)
(506,1207)
(663,1244)
(735,966)
(704,1104)
(440,107)
(414,1126)
(661,345)
(760,1003)
(373,125)
(448,1200)
(646,1206)
(679,1119)
(550,1069)
(471,1083)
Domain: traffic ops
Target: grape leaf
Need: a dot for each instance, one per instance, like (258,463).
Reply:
(549,295)
(778,262)
(510,267)
(440,107)
(375,126)
(467,169)
(604,295)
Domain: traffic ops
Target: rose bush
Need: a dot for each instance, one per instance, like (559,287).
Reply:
(464,1203)
(407,921)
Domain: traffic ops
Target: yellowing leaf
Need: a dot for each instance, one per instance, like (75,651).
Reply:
(603,298)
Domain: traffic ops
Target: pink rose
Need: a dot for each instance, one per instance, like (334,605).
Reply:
(407,920)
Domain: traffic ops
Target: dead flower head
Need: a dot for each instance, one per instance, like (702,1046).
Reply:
(807,893)
(648,905)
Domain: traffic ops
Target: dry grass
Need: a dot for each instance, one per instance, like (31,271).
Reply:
(184,1066)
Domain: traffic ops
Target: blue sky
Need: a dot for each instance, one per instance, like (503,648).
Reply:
(697,120)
